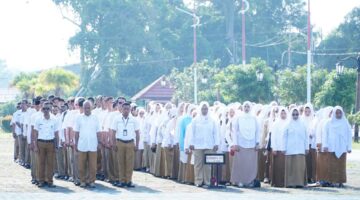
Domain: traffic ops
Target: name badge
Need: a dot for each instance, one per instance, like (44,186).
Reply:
(125,132)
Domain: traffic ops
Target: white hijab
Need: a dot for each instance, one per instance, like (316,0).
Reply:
(247,127)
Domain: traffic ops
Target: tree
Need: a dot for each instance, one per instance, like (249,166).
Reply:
(344,39)
(239,83)
(338,90)
(26,83)
(292,84)
(58,81)
(183,81)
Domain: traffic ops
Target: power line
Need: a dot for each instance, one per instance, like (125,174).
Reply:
(328,54)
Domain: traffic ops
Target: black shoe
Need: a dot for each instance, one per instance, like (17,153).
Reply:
(33,182)
(120,184)
(130,185)
(76,183)
(41,185)
(51,185)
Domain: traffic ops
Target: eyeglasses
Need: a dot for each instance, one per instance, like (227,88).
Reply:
(295,115)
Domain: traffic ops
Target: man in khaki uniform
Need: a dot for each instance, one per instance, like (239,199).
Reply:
(125,130)
(46,132)
(87,138)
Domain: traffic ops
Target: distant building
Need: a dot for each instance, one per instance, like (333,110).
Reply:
(8,94)
(160,91)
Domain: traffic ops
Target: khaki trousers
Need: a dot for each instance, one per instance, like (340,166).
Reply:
(69,161)
(75,165)
(169,155)
(202,172)
(34,168)
(27,153)
(21,143)
(16,148)
(126,157)
(87,165)
(112,165)
(46,156)
(60,161)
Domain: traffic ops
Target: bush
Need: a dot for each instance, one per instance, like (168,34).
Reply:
(5,123)
(8,108)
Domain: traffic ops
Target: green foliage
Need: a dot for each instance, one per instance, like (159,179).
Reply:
(5,123)
(292,84)
(354,118)
(338,90)
(55,81)
(239,83)
(7,108)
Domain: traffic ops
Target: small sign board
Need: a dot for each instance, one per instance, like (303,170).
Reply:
(215,159)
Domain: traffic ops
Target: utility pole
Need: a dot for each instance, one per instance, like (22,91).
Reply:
(243,43)
(308,71)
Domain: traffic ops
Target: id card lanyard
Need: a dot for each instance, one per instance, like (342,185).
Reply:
(125,125)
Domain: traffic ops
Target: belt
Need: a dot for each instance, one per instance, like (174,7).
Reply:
(125,141)
(46,141)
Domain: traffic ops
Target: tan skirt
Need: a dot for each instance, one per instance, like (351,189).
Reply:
(322,166)
(311,164)
(261,165)
(189,171)
(176,160)
(169,156)
(295,170)
(138,159)
(244,169)
(337,168)
(278,170)
(146,156)
(159,162)
(226,169)
(182,172)
(152,162)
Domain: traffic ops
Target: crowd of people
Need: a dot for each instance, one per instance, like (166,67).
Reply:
(105,138)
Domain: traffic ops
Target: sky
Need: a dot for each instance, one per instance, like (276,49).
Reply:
(34,36)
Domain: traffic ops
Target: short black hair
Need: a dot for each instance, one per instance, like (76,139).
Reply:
(126,104)
(91,99)
(81,101)
(122,98)
(37,102)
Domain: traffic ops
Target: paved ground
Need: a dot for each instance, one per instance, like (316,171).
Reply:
(15,184)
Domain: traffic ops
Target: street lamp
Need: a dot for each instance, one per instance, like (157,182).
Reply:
(259,76)
(195,25)
(204,80)
(340,68)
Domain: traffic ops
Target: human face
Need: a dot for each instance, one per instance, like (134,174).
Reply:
(141,113)
(338,114)
(295,115)
(126,110)
(46,109)
(87,108)
(157,108)
(232,112)
(246,108)
(307,112)
(24,105)
(55,110)
(283,115)
(204,110)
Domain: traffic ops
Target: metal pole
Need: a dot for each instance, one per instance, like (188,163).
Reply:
(308,75)
(357,103)
(195,59)
(243,35)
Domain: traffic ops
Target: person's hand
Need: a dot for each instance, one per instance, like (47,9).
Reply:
(310,136)
(136,147)
(192,148)
(349,151)
(326,149)
(36,148)
(216,147)
(114,148)
(187,151)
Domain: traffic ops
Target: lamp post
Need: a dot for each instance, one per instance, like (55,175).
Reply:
(195,25)
(340,69)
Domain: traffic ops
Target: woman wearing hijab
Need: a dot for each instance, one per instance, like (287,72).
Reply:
(245,142)
(278,149)
(189,167)
(338,142)
(308,117)
(204,139)
(224,121)
(184,122)
(323,158)
(176,159)
(296,147)
(168,142)
(263,163)
(155,124)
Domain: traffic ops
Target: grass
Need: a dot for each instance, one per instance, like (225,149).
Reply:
(356,145)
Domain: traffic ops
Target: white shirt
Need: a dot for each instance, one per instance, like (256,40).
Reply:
(277,135)
(169,133)
(125,128)
(246,131)
(46,128)
(16,118)
(27,124)
(295,138)
(204,133)
(88,127)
